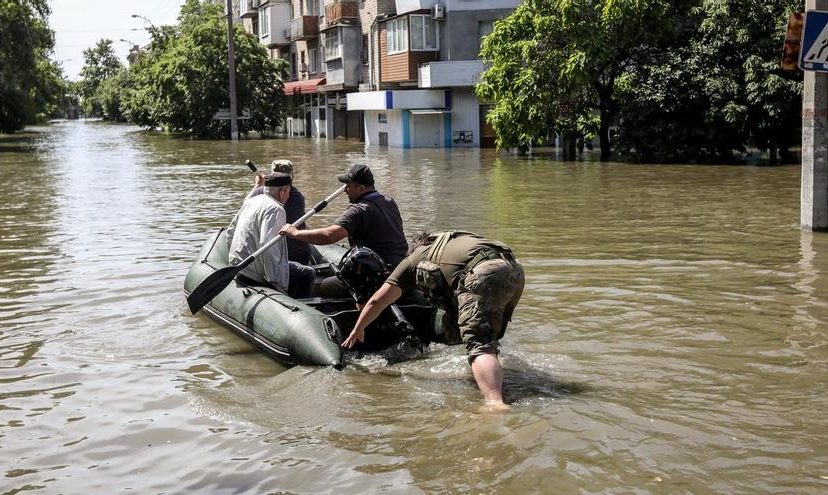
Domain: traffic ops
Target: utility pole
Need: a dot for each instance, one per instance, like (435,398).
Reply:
(814,188)
(231,63)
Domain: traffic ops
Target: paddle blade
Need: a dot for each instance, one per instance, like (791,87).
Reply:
(211,286)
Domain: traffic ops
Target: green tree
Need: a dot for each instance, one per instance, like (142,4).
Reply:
(182,80)
(30,83)
(100,63)
(109,94)
(721,91)
(554,64)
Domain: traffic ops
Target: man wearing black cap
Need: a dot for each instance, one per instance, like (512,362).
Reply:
(259,220)
(372,220)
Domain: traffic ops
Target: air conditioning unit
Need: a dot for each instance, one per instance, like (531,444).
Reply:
(438,11)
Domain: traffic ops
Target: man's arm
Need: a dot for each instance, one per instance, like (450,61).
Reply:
(258,182)
(384,297)
(320,237)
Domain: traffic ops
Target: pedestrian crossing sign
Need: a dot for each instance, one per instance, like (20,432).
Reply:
(814,52)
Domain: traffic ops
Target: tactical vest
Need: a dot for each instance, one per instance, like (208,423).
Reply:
(429,277)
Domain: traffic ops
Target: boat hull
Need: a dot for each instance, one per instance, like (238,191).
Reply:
(306,331)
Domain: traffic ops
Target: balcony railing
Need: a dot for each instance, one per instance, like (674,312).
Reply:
(304,28)
(341,11)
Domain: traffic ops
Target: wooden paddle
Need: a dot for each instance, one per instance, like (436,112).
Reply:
(211,286)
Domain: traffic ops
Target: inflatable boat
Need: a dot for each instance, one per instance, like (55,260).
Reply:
(308,331)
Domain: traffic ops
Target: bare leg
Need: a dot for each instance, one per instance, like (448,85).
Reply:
(489,377)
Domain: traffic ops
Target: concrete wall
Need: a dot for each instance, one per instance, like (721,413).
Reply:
(352,55)
(459,35)
(393,126)
(465,118)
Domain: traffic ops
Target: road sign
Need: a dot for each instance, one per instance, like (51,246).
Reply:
(814,52)
(224,114)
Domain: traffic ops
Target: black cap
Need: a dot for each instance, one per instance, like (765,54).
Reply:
(360,174)
(277,179)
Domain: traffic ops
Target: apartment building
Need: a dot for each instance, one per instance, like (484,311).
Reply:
(390,73)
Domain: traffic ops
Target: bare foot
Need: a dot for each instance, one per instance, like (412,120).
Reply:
(491,407)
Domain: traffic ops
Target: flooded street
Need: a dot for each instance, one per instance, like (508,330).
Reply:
(672,337)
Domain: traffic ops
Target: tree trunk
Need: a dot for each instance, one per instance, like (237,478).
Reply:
(605,104)
(772,153)
(603,136)
(568,145)
(786,157)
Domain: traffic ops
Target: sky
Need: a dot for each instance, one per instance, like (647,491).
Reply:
(80,24)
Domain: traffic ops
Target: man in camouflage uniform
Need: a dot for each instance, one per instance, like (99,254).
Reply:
(477,282)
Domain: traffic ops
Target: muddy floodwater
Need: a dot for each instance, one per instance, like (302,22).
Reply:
(672,337)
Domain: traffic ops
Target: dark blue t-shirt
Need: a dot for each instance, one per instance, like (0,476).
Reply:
(375,222)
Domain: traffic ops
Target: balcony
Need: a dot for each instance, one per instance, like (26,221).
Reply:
(249,8)
(304,28)
(455,73)
(342,12)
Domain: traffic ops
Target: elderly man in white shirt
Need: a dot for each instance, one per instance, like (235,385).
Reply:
(259,220)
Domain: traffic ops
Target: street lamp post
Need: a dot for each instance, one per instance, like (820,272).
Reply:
(231,65)
(137,16)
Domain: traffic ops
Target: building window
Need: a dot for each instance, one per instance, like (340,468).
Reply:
(483,30)
(397,35)
(264,23)
(333,45)
(365,49)
(322,113)
(382,118)
(313,54)
(423,33)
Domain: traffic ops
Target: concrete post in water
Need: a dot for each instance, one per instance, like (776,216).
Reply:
(814,189)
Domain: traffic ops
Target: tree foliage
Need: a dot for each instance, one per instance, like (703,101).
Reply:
(554,63)
(108,96)
(692,80)
(30,83)
(100,64)
(181,81)
(721,92)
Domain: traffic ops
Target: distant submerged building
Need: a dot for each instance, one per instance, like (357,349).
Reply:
(389,73)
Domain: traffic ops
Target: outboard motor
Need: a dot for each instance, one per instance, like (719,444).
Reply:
(363,271)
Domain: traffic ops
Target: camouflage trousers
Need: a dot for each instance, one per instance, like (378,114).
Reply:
(486,299)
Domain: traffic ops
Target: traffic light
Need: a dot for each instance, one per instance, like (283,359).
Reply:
(793,41)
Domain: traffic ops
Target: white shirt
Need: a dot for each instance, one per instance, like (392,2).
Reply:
(258,221)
